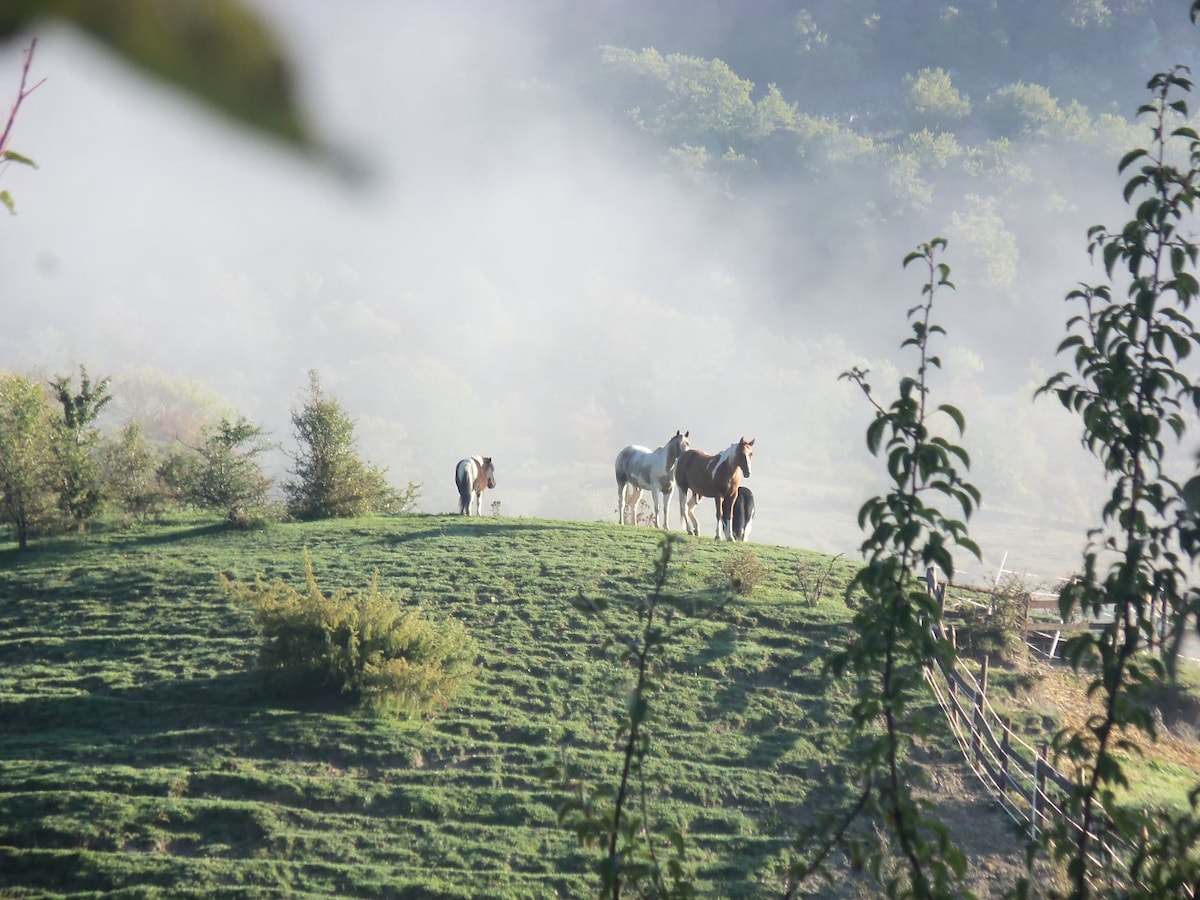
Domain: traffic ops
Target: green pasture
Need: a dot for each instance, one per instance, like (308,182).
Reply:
(140,754)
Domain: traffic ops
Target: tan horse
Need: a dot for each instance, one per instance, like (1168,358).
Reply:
(702,474)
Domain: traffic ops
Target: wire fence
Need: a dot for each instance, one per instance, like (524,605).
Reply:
(1029,788)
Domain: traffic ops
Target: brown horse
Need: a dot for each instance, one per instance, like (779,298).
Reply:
(720,476)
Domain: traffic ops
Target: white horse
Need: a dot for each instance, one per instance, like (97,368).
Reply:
(473,476)
(639,468)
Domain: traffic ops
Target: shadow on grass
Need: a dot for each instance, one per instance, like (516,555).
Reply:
(173,720)
(60,546)
(466,526)
(118,717)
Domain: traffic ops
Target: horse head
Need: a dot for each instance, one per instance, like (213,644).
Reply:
(675,448)
(491,472)
(745,454)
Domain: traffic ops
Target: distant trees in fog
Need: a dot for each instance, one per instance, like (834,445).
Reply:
(59,471)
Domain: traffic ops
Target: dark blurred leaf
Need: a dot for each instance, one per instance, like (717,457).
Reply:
(215,50)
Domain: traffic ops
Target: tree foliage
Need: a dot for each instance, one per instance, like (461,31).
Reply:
(896,631)
(329,479)
(932,95)
(130,473)
(1129,348)
(28,473)
(76,441)
(223,473)
(7,153)
(220,52)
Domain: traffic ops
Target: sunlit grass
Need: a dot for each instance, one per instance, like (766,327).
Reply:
(138,750)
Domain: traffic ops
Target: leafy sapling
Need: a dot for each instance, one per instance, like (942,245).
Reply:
(896,633)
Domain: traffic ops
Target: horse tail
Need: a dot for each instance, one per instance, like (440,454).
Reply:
(463,479)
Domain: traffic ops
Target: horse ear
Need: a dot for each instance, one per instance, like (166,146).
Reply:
(687,433)
(751,441)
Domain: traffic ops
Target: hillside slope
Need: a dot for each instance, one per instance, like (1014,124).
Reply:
(139,752)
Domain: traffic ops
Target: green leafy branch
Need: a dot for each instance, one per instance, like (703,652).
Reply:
(1132,398)
(896,633)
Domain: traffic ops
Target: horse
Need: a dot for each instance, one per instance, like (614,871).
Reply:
(743,514)
(638,469)
(705,475)
(473,476)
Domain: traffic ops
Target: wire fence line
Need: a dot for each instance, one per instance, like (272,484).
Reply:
(1021,777)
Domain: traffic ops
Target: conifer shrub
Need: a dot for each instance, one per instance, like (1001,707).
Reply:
(382,653)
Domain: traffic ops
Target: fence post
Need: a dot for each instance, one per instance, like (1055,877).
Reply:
(983,679)
(976,724)
(1005,746)
(1039,781)
(952,682)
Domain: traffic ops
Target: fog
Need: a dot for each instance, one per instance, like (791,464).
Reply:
(489,267)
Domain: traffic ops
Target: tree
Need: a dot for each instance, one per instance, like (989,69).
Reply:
(27,461)
(129,471)
(330,480)
(934,98)
(895,628)
(75,442)
(223,473)
(1135,402)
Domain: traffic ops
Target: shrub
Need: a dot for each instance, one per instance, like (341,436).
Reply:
(330,481)
(999,629)
(383,654)
(130,473)
(223,473)
(813,586)
(743,572)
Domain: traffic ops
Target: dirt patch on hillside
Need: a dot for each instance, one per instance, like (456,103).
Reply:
(979,827)
(1061,695)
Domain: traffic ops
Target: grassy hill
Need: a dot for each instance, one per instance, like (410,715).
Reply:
(139,752)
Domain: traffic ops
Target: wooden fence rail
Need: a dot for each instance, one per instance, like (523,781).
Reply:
(1021,777)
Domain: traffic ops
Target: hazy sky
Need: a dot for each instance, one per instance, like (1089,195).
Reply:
(503,281)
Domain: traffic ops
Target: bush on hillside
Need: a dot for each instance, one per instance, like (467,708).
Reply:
(223,473)
(131,475)
(998,629)
(383,654)
(742,572)
(330,480)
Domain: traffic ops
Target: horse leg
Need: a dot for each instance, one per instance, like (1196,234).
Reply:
(666,506)
(620,503)
(693,524)
(725,518)
(633,496)
(655,495)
